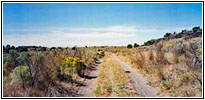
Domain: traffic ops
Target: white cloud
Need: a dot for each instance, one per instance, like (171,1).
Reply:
(114,35)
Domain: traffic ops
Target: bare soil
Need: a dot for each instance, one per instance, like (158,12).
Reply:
(87,88)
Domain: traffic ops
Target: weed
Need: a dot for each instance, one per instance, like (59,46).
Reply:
(149,83)
(166,85)
(97,91)
(109,88)
(185,78)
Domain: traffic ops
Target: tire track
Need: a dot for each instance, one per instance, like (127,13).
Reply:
(137,80)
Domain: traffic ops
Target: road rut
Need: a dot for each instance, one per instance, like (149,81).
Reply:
(137,80)
(90,82)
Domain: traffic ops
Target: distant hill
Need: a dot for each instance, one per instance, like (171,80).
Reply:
(185,34)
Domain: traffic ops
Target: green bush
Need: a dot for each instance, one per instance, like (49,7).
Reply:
(22,58)
(7,58)
(194,29)
(97,91)
(20,73)
(109,88)
(129,46)
(136,45)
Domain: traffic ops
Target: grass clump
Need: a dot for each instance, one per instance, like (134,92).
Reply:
(185,78)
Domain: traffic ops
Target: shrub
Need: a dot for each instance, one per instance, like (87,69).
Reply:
(168,46)
(136,45)
(167,34)
(139,60)
(20,73)
(129,46)
(23,58)
(101,53)
(109,88)
(194,29)
(71,65)
(97,91)
(199,50)
(160,56)
(179,48)
(7,58)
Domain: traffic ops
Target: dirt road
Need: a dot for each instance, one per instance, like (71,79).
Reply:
(137,80)
(90,82)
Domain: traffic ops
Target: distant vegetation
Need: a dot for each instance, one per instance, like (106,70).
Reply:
(195,32)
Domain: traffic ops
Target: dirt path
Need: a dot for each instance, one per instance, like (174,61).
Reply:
(137,80)
(90,82)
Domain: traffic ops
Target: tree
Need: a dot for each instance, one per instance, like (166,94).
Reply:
(8,47)
(167,34)
(4,49)
(195,29)
(129,46)
(53,48)
(136,45)
(12,47)
(43,48)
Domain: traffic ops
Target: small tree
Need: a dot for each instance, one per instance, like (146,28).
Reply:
(167,34)
(129,46)
(195,29)
(136,45)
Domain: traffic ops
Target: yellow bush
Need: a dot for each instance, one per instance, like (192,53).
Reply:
(199,50)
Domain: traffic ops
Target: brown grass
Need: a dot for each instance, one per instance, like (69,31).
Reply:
(151,55)
(112,81)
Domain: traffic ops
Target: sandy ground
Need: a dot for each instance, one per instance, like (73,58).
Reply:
(89,85)
(138,81)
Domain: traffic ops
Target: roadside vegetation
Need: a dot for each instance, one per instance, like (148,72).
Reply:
(46,72)
(174,65)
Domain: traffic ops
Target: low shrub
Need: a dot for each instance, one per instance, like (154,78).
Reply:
(20,73)
(70,66)
(109,88)
(199,50)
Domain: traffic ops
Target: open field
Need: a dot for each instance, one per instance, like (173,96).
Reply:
(102,49)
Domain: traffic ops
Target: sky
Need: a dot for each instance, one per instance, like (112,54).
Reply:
(95,24)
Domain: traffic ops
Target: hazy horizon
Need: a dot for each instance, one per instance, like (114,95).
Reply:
(95,24)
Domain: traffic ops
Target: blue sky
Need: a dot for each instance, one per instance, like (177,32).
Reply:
(69,24)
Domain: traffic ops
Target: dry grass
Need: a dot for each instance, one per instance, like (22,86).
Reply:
(151,55)
(175,75)
(112,81)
